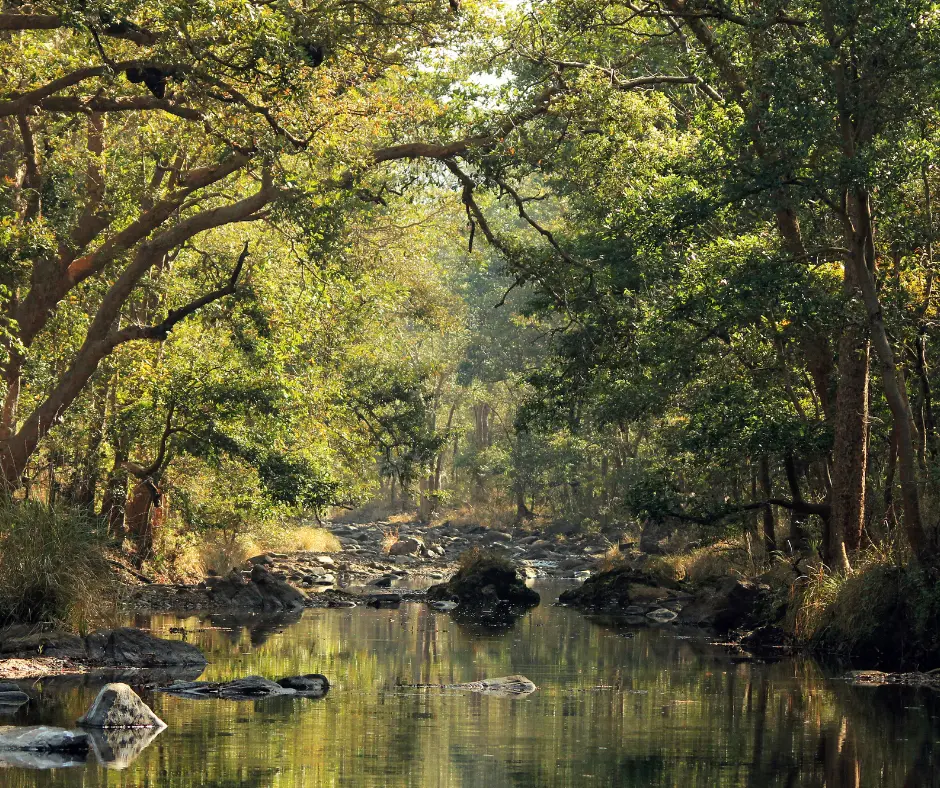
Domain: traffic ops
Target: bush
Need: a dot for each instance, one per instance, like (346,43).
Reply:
(885,615)
(52,565)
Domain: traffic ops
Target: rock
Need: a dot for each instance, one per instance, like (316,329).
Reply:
(42,738)
(46,644)
(662,615)
(613,591)
(342,603)
(125,647)
(384,601)
(484,580)
(308,684)
(731,605)
(252,687)
(407,546)
(323,580)
(11,696)
(132,647)
(384,582)
(492,537)
(247,688)
(444,605)
(118,706)
(504,687)
(261,560)
(325,560)
(261,591)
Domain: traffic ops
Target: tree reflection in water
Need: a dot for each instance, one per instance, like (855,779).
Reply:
(626,707)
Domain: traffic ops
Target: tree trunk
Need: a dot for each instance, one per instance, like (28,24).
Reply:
(769,534)
(894,388)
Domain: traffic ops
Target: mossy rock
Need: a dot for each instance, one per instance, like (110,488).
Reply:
(486,578)
(611,590)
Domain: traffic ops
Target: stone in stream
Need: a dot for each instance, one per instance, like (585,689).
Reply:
(11,697)
(504,687)
(308,683)
(661,615)
(444,605)
(118,706)
(313,685)
(42,747)
(483,580)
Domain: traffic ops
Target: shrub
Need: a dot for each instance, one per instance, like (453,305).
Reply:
(52,565)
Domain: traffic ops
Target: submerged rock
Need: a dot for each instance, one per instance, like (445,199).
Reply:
(308,683)
(662,615)
(118,706)
(503,687)
(485,579)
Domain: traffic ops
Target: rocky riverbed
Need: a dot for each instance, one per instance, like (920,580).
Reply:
(377,560)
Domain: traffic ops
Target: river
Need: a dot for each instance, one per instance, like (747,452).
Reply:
(623,707)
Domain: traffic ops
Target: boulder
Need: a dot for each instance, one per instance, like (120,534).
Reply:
(247,688)
(483,580)
(307,684)
(261,591)
(252,687)
(732,604)
(410,545)
(132,647)
(492,537)
(504,687)
(614,591)
(124,647)
(42,738)
(11,696)
(118,706)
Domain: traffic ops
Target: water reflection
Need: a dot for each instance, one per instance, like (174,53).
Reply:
(615,706)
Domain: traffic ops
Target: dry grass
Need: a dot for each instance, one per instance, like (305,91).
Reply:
(389,538)
(311,540)
(706,564)
(53,566)
(220,553)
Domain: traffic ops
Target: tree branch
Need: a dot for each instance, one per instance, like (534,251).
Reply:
(161,330)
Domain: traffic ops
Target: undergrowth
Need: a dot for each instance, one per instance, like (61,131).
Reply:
(53,566)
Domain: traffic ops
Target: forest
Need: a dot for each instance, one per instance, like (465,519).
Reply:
(653,271)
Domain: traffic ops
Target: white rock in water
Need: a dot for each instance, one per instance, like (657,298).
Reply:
(504,687)
(444,605)
(661,615)
(118,706)
(42,738)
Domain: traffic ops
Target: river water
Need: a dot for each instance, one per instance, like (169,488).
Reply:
(615,707)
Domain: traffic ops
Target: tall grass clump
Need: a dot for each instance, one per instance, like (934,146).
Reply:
(52,565)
